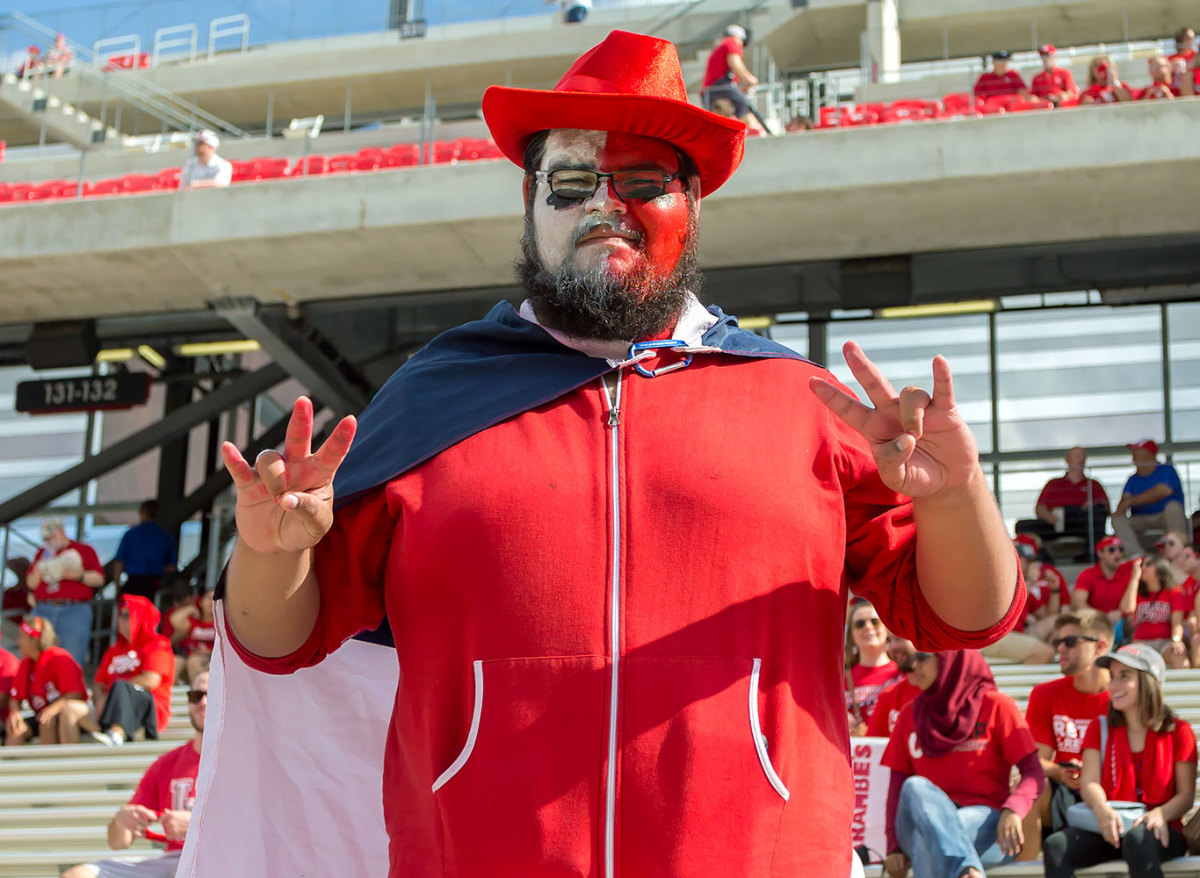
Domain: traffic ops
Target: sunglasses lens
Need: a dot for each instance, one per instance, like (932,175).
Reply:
(195,696)
(638,184)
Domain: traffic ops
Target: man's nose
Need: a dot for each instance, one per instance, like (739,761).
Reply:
(605,199)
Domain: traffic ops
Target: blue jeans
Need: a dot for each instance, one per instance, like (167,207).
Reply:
(73,625)
(941,839)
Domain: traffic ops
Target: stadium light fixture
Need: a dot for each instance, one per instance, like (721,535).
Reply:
(213,348)
(940,309)
(151,356)
(753,323)
(114,355)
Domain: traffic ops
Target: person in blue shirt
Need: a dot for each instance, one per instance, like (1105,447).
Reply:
(1151,500)
(145,554)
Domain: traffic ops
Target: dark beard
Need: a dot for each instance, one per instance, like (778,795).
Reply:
(597,306)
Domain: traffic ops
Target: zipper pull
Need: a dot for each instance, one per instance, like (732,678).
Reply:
(614,416)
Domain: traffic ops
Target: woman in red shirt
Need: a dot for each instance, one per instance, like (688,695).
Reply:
(950,809)
(51,681)
(869,670)
(194,630)
(1149,756)
(1104,86)
(1155,612)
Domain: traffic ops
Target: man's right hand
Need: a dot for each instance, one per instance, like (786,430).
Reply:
(285,502)
(135,819)
(896,864)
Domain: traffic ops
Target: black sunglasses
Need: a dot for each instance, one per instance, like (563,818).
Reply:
(195,696)
(575,184)
(1072,640)
(1112,549)
(863,623)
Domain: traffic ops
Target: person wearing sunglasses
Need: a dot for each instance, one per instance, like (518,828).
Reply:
(869,669)
(161,807)
(1060,711)
(1104,584)
(897,693)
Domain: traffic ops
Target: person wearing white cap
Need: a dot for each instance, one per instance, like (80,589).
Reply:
(1151,499)
(205,169)
(1140,754)
(1054,83)
(726,76)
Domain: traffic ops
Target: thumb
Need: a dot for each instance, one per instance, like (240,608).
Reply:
(314,512)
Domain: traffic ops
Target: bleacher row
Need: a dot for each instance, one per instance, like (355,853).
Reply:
(400,155)
(55,802)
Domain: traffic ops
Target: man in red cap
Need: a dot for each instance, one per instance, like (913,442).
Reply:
(612,533)
(1102,585)
(1152,499)
(1054,83)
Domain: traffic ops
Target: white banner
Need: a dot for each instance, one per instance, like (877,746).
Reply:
(869,824)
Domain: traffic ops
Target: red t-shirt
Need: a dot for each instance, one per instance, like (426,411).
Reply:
(1152,616)
(1102,94)
(122,662)
(718,61)
(54,674)
(868,683)
(69,589)
(1157,91)
(9,664)
(200,635)
(1189,587)
(1187,55)
(1062,491)
(1104,593)
(1039,592)
(170,783)
(977,771)
(992,85)
(1059,716)
(1054,82)
(888,706)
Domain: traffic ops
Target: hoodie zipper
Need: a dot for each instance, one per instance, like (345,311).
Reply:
(613,398)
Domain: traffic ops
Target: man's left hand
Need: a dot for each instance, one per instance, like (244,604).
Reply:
(175,824)
(1009,833)
(921,443)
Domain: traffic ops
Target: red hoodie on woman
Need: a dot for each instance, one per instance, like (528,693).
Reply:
(145,650)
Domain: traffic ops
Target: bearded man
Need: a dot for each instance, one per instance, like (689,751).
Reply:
(627,522)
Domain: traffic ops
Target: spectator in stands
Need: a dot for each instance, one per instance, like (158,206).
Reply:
(1185,45)
(16,602)
(8,673)
(164,795)
(51,681)
(1054,84)
(1171,546)
(1156,609)
(1139,752)
(727,76)
(146,552)
(205,169)
(798,123)
(1188,564)
(1151,500)
(33,64)
(1046,592)
(1060,711)
(1104,85)
(58,59)
(1103,585)
(65,576)
(194,630)
(1025,646)
(133,682)
(868,667)
(951,810)
(1001,79)
(574,11)
(1189,79)
(897,693)
(1070,505)
(1161,76)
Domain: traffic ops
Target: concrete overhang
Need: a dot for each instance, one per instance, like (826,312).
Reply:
(1129,173)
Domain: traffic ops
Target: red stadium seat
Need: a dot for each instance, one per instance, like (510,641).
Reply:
(446,152)
(102,187)
(138,183)
(340,164)
(475,149)
(168,178)
(370,158)
(6,193)
(960,104)
(313,166)
(242,171)
(402,155)
(58,189)
(259,169)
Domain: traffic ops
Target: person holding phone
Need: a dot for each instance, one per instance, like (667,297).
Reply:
(1142,753)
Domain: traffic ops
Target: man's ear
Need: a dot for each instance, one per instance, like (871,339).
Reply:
(526,182)
(694,191)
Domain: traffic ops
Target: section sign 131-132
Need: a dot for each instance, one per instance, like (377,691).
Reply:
(83,393)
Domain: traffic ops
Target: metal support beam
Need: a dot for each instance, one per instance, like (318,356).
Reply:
(301,359)
(170,427)
(173,456)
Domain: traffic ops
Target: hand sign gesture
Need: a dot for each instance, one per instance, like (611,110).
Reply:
(285,502)
(921,443)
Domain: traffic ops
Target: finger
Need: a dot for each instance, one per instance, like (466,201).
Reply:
(848,409)
(334,449)
(314,514)
(877,388)
(943,383)
(913,402)
(272,470)
(298,443)
(242,473)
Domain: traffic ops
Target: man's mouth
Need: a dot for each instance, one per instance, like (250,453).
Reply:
(607,234)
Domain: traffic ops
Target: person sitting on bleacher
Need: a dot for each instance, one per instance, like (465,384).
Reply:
(8,673)
(897,693)
(51,681)
(194,630)
(1001,79)
(1139,752)
(1027,646)
(1054,84)
(869,668)
(1104,85)
(1187,563)
(1102,585)
(1060,711)
(1155,609)
(951,810)
(164,795)
(135,675)
(1161,75)
(1070,505)
(205,169)
(1046,588)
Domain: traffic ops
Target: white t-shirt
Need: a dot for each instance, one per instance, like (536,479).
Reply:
(216,169)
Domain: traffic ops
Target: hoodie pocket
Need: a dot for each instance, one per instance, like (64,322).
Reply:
(522,796)
(698,785)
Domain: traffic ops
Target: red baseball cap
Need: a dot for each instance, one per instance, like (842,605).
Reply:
(1109,541)
(1047,49)
(1148,444)
(1026,540)
(631,83)
(32,627)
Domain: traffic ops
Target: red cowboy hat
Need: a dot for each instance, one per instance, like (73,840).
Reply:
(630,83)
